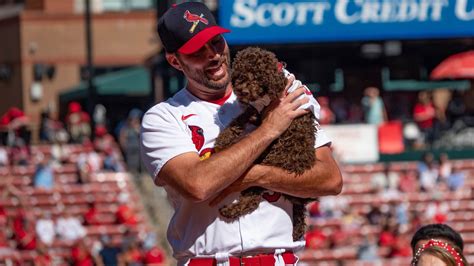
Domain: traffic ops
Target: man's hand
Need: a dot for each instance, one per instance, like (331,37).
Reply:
(281,112)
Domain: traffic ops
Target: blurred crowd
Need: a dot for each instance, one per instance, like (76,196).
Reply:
(15,139)
(388,222)
(99,151)
(429,119)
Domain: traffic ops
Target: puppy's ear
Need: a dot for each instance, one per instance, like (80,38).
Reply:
(174,61)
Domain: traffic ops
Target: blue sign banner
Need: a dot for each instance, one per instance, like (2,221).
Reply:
(300,21)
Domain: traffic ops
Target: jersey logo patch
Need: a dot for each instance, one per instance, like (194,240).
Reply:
(195,19)
(206,153)
(197,135)
(184,117)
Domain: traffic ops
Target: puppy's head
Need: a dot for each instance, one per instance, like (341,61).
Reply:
(256,73)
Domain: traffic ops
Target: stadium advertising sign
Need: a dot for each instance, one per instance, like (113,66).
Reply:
(270,21)
(356,143)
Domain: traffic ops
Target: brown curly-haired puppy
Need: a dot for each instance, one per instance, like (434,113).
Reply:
(255,73)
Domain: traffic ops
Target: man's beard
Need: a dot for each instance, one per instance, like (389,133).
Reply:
(201,77)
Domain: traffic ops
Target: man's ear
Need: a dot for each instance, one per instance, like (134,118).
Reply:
(173,61)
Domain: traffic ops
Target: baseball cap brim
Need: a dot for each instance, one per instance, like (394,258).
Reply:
(200,39)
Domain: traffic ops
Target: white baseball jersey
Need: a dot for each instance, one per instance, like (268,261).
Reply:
(184,124)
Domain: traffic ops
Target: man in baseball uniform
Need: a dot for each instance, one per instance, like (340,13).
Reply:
(177,147)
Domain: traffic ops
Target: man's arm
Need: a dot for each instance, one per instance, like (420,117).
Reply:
(200,180)
(323,179)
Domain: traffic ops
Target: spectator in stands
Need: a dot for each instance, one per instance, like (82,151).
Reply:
(314,209)
(326,114)
(103,140)
(340,107)
(374,108)
(15,124)
(388,234)
(109,254)
(438,241)
(131,254)
(416,219)
(400,247)
(70,228)
(100,115)
(80,254)
(25,235)
(452,179)
(125,214)
(128,237)
(355,114)
(437,211)
(351,220)
(153,254)
(91,216)
(427,172)
(401,212)
(386,181)
(439,253)
(315,238)
(3,216)
(44,174)
(4,161)
(5,247)
(129,140)
(424,115)
(48,127)
(333,207)
(456,108)
(112,161)
(442,232)
(375,215)
(45,229)
(408,181)
(88,162)
(19,153)
(368,250)
(43,258)
(340,235)
(77,122)
(60,151)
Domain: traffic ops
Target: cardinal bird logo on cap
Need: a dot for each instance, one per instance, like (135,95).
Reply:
(197,135)
(195,19)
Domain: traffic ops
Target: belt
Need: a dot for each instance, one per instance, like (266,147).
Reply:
(257,260)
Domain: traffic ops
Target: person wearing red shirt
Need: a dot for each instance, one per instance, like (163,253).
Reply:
(125,214)
(80,255)
(43,258)
(315,239)
(327,115)
(131,255)
(3,216)
(400,247)
(424,115)
(26,240)
(387,236)
(91,216)
(77,122)
(154,256)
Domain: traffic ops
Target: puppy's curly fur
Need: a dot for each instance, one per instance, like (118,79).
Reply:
(255,73)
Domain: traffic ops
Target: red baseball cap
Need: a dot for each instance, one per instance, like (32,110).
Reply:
(187,27)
